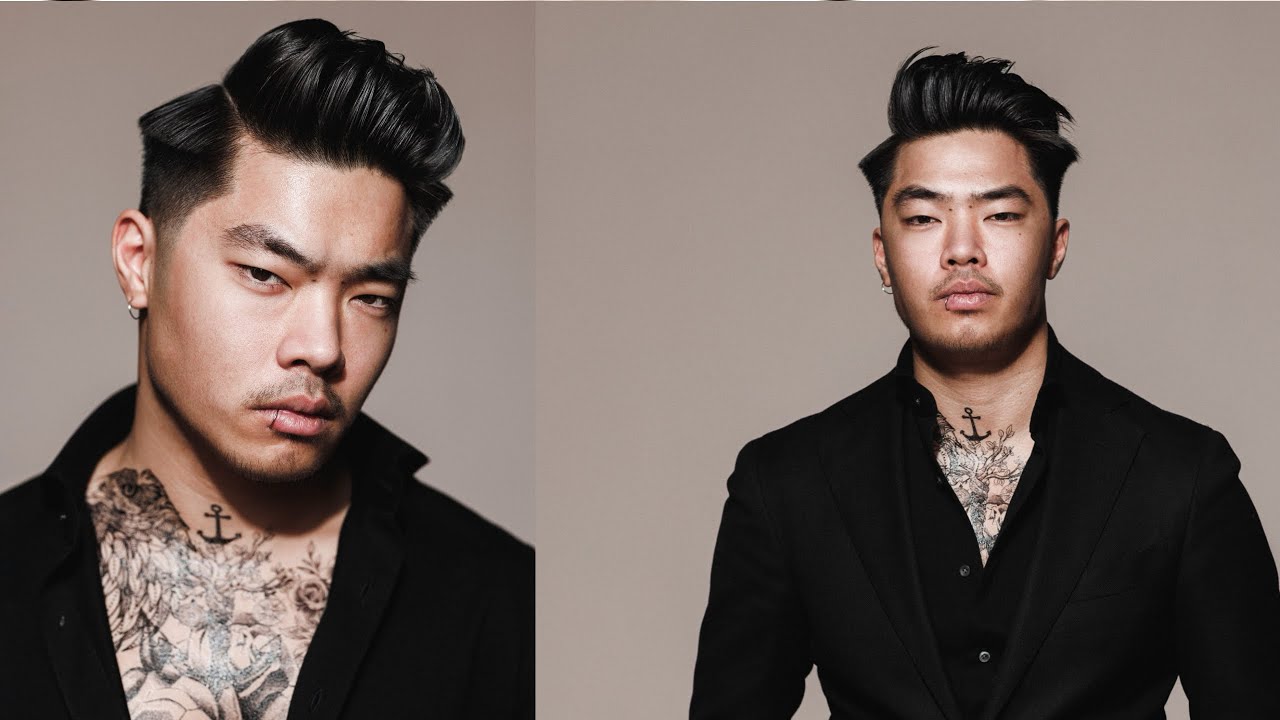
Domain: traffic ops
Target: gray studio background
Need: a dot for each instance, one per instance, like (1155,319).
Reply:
(704,269)
(74,79)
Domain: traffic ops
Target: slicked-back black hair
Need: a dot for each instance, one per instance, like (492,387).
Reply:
(308,90)
(939,94)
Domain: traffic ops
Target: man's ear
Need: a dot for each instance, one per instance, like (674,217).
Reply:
(133,251)
(1061,232)
(877,251)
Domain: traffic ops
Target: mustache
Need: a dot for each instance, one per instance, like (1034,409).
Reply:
(990,284)
(274,393)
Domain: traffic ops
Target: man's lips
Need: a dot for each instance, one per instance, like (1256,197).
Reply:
(302,405)
(965,295)
(298,415)
(292,423)
(966,301)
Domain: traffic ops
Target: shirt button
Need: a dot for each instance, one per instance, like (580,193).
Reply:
(942,480)
(917,401)
(964,571)
(984,656)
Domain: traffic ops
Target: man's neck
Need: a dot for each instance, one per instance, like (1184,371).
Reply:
(1001,393)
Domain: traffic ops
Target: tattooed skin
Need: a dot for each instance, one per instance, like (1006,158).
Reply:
(202,630)
(983,473)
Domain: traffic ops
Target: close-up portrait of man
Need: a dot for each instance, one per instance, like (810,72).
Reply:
(1040,289)
(232,536)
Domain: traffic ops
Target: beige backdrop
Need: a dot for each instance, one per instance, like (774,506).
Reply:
(73,81)
(704,269)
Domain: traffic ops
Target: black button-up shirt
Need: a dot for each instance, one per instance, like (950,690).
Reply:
(971,606)
(429,613)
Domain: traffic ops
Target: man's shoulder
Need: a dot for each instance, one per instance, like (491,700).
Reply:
(433,522)
(437,522)
(29,530)
(1104,396)
(802,437)
(23,501)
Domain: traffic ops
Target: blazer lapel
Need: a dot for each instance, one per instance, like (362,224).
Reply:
(1092,452)
(863,461)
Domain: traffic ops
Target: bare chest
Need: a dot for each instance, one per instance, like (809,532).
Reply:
(214,629)
(984,471)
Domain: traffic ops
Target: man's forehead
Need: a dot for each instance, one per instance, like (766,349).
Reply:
(315,206)
(963,164)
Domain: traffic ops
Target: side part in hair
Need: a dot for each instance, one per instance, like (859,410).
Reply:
(940,94)
(308,90)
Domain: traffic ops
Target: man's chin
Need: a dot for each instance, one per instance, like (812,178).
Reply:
(969,342)
(965,342)
(280,468)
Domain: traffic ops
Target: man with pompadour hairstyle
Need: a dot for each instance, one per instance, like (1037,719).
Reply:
(231,537)
(992,530)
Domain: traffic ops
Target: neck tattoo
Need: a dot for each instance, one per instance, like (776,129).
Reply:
(215,512)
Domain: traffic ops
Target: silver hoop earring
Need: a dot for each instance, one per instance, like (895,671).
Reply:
(135,313)
(887,290)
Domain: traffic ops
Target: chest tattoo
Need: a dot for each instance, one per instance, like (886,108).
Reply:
(201,628)
(983,472)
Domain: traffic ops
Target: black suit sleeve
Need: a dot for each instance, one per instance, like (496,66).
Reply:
(753,649)
(1228,601)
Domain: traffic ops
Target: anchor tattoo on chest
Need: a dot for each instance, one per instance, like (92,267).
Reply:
(218,538)
(968,415)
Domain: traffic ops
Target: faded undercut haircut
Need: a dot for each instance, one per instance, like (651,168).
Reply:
(940,94)
(311,91)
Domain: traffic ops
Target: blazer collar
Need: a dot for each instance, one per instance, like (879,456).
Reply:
(1093,448)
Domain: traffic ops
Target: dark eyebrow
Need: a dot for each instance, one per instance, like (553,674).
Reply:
(263,238)
(919,192)
(395,271)
(252,236)
(1004,193)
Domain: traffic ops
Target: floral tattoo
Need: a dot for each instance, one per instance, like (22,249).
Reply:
(983,473)
(207,630)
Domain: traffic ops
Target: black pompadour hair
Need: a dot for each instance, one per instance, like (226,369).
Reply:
(940,94)
(308,90)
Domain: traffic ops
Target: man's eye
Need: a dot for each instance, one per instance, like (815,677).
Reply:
(259,275)
(1006,217)
(378,301)
(919,220)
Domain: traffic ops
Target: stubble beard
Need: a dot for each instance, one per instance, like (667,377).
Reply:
(973,346)
(240,465)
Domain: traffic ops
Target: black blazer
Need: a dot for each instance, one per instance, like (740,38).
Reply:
(1150,563)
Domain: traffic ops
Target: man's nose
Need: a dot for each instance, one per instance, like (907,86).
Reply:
(962,243)
(313,335)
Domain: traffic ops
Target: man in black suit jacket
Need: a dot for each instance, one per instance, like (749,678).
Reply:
(993,529)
